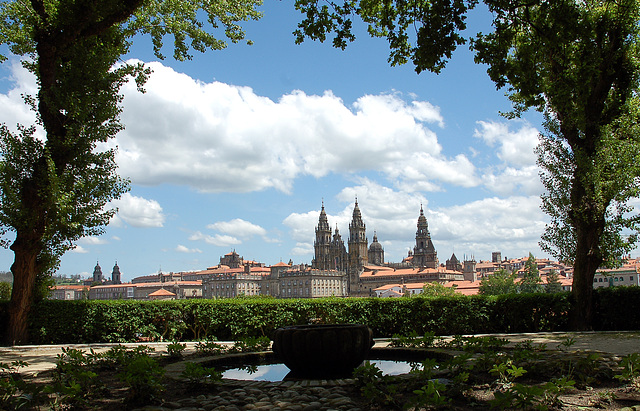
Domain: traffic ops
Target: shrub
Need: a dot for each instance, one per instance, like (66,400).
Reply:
(86,321)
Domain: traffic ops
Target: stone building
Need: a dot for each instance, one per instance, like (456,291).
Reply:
(307,282)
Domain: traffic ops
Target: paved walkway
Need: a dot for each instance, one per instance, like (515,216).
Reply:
(43,357)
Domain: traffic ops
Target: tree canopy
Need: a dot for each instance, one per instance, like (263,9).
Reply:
(54,189)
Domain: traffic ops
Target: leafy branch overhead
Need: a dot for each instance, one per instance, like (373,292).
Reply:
(423,32)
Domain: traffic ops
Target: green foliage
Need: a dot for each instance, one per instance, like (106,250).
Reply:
(420,320)
(5,290)
(15,393)
(553,284)
(431,395)
(435,27)
(73,380)
(175,349)
(196,373)
(531,281)
(434,289)
(500,282)
(144,376)
(630,370)
(250,344)
(376,387)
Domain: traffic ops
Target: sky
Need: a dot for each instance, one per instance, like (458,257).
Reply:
(238,149)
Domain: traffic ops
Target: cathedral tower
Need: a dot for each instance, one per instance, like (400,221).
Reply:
(97,273)
(358,249)
(115,275)
(322,244)
(424,253)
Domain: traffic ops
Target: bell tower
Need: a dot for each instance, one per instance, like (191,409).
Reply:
(424,253)
(358,244)
(322,244)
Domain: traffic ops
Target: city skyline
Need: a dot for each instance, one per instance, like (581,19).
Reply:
(238,149)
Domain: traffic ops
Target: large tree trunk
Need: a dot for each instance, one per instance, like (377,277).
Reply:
(588,260)
(588,218)
(24,269)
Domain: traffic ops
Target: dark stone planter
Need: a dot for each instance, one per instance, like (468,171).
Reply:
(322,351)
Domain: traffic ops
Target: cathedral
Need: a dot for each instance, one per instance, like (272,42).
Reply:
(330,252)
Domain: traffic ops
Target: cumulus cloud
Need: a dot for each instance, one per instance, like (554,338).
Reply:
(183,249)
(518,172)
(92,240)
(217,137)
(138,211)
(14,110)
(238,227)
(217,240)
(79,250)
(514,147)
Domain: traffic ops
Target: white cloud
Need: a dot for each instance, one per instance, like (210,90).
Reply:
(218,137)
(79,249)
(14,110)
(183,249)
(138,211)
(518,174)
(92,240)
(514,148)
(217,240)
(238,227)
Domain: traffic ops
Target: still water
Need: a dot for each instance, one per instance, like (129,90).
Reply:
(277,372)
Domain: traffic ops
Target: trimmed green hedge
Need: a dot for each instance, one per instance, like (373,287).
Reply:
(68,322)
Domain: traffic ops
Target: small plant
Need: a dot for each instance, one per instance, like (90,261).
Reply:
(552,390)
(425,369)
(74,382)
(507,372)
(566,343)
(209,347)
(413,340)
(521,396)
(196,373)
(144,376)
(374,385)
(175,349)
(630,370)
(16,393)
(251,344)
(430,395)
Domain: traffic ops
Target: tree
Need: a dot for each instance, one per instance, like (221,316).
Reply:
(553,284)
(435,289)
(54,189)
(500,282)
(531,281)
(575,61)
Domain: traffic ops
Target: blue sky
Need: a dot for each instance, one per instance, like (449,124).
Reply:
(237,149)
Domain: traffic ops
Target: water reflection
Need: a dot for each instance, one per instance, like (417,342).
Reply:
(277,372)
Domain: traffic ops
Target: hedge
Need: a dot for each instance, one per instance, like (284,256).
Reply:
(92,321)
